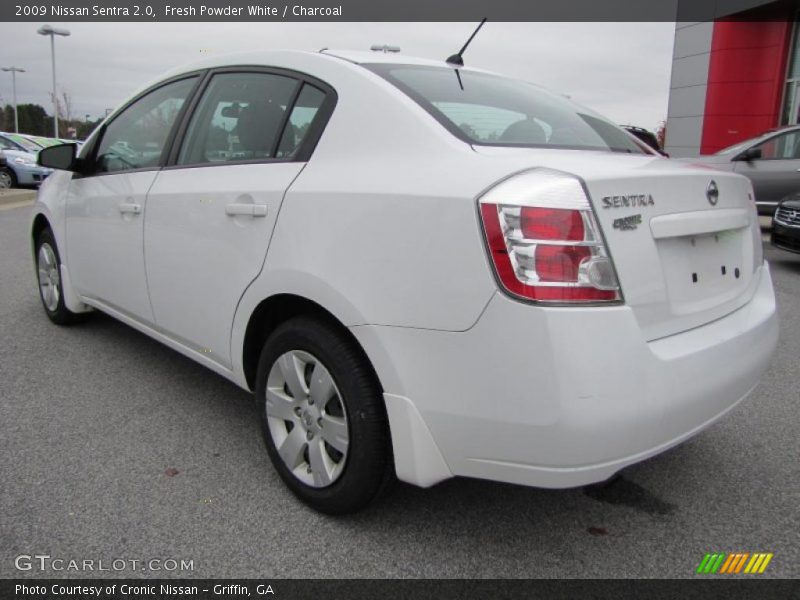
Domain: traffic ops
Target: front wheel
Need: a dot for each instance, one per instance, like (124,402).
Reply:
(6,178)
(51,289)
(322,415)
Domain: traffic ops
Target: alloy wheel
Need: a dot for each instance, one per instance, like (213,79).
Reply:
(49,278)
(307,418)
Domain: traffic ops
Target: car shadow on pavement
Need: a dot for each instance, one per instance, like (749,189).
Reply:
(480,511)
(786,260)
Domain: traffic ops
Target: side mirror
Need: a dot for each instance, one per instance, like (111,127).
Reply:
(750,154)
(61,156)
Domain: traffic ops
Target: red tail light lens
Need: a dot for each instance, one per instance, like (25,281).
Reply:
(549,253)
(539,223)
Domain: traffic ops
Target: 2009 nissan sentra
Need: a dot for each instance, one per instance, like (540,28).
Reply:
(420,270)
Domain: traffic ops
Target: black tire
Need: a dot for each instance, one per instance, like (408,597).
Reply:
(59,314)
(7,178)
(14,180)
(368,466)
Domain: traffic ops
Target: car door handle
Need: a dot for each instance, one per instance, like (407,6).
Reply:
(252,210)
(130,208)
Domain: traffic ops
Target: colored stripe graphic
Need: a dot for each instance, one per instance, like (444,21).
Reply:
(764,564)
(740,564)
(734,562)
(718,562)
(727,564)
(754,563)
(703,563)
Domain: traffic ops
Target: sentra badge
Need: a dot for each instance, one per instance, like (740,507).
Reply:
(632,201)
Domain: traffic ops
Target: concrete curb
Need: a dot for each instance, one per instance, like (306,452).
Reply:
(16,196)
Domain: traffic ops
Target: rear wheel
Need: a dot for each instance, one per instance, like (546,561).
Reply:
(51,289)
(323,418)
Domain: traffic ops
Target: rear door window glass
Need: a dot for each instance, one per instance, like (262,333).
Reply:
(239,118)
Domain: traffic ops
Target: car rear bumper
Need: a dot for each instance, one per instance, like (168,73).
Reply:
(559,397)
(785,237)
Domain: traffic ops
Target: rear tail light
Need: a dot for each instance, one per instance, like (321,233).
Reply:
(544,241)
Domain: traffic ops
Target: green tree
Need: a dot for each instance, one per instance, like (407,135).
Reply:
(33,119)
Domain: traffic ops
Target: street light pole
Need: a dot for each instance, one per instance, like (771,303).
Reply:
(14,71)
(53,32)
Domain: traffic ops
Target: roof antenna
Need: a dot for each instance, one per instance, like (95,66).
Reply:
(457,59)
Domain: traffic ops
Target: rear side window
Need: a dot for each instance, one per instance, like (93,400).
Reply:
(303,114)
(136,137)
(490,110)
(240,118)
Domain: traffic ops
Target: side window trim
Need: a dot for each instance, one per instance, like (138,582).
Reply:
(306,146)
(285,119)
(91,156)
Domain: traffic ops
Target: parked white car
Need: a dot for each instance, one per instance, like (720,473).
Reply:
(420,270)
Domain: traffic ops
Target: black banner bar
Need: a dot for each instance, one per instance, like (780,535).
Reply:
(371,589)
(385,10)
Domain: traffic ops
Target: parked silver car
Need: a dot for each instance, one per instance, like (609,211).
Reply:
(771,161)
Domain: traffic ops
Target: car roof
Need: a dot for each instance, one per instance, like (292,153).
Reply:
(361,57)
(276,57)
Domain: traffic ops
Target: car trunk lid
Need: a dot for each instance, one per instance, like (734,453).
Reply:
(684,240)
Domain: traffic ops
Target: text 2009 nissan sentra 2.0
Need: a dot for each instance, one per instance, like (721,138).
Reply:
(421,270)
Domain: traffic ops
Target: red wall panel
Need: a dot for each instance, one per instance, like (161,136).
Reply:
(746,75)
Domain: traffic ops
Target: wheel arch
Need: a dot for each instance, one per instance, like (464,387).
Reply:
(39,224)
(277,309)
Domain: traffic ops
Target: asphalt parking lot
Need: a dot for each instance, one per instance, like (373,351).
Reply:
(94,417)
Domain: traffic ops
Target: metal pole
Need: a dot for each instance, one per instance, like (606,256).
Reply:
(55,98)
(14,70)
(16,112)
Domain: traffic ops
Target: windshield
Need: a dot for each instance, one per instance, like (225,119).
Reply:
(490,110)
(24,142)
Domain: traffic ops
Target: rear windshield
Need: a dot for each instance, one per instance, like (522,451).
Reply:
(494,111)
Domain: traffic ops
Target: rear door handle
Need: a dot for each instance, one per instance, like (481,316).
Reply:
(130,208)
(252,210)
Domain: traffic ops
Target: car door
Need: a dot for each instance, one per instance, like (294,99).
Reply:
(777,173)
(106,205)
(211,212)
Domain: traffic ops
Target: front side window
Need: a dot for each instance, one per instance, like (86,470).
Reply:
(240,118)
(785,146)
(490,110)
(135,139)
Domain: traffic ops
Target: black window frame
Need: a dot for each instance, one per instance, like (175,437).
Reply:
(307,145)
(88,160)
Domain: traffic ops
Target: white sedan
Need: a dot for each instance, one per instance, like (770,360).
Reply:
(421,270)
